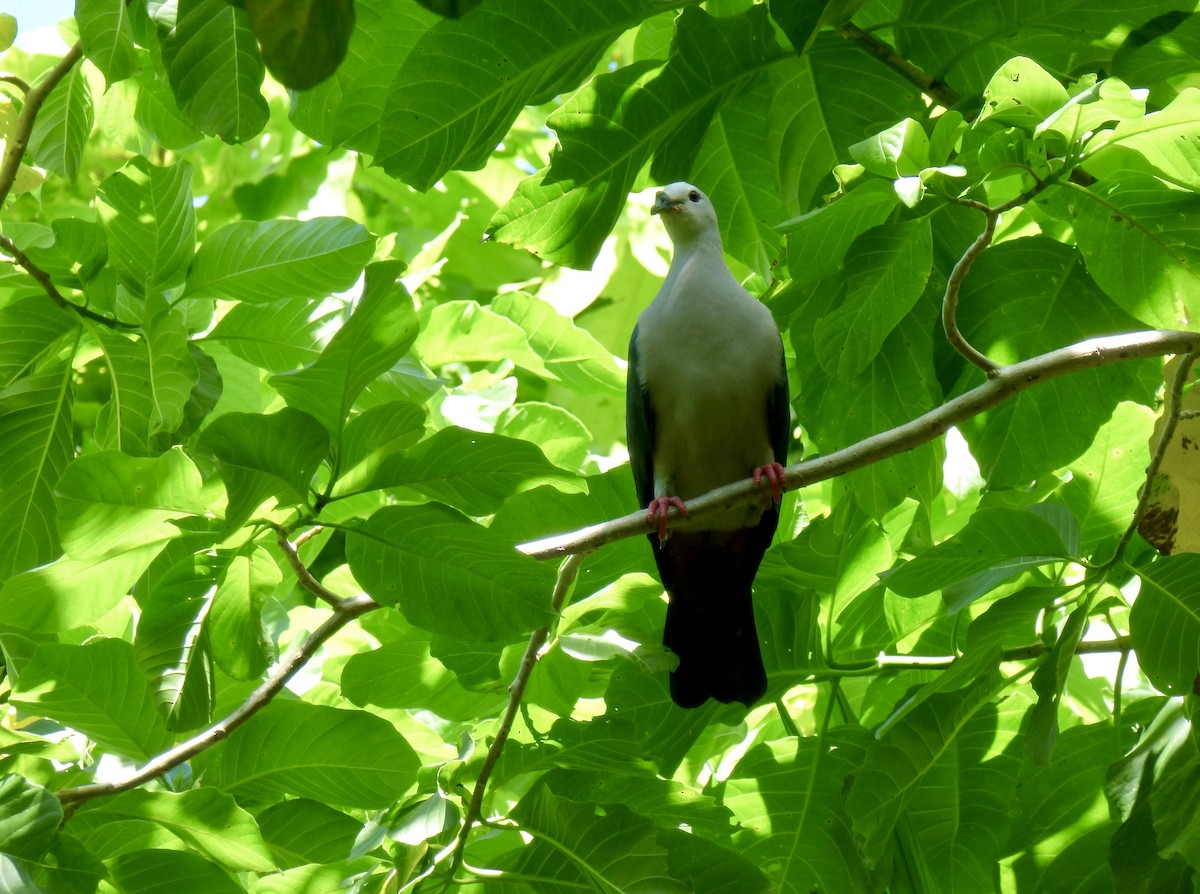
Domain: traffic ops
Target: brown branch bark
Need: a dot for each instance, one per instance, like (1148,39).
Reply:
(1008,382)
(19,142)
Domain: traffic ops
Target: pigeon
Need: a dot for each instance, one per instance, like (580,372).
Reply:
(707,405)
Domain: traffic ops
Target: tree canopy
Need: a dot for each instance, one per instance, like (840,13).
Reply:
(323,568)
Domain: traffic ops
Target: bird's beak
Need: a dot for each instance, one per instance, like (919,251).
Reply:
(661,204)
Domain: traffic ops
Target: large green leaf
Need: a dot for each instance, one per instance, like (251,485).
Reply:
(1139,239)
(610,128)
(109,502)
(276,260)
(475,472)
(152,227)
(1165,623)
(818,241)
(240,644)
(266,456)
(378,333)
(97,689)
(1156,54)
(302,45)
(63,125)
(1167,142)
(35,447)
(275,337)
(463,83)
(332,755)
(206,819)
(168,871)
(449,575)
(372,436)
(215,70)
(301,831)
(29,817)
(107,38)
(464,331)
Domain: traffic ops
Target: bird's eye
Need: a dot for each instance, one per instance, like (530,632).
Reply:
(694,196)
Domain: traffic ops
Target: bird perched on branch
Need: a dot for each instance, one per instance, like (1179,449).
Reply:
(707,405)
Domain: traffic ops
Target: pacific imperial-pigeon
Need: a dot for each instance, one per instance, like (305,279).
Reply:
(707,405)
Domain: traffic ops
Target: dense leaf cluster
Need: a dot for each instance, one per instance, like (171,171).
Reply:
(279,400)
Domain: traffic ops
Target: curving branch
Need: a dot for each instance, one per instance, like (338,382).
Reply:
(1008,382)
(954,287)
(19,141)
(516,692)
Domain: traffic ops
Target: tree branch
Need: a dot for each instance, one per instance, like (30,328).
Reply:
(43,279)
(1009,381)
(19,141)
(7,77)
(303,575)
(516,691)
(942,94)
(954,286)
(345,611)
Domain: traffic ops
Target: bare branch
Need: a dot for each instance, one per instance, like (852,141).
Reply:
(954,286)
(19,140)
(942,94)
(346,611)
(1009,381)
(7,77)
(303,575)
(43,279)
(516,691)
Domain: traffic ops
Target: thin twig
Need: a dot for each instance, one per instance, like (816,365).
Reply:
(954,287)
(19,139)
(1011,380)
(347,611)
(43,279)
(516,691)
(941,93)
(1170,421)
(7,77)
(303,575)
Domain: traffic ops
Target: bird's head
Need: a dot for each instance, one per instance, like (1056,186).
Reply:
(686,212)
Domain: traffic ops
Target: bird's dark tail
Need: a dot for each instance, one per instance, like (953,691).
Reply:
(710,618)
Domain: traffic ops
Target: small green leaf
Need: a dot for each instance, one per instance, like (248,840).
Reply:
(29,818)
(158,114)
(301,831)
(97,689)
(335,756)
(1165,623)
(819,240)
(266,456)
(240,644)
(280,259)
(372,436)
(107,37)
(561,437)
(63,125)
(1166,143)
(1023,94)
(900,151)
(378,334)
(275,337)
(302,43)
(215,70)
(152,225)
(449,575)
(465,331)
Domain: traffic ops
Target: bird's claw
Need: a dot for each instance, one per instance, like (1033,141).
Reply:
(659,509)
(776,477)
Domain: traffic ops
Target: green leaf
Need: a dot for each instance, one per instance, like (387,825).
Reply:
(900,151)
(29,818)
(1158,52)
(464,331)
(303,831)
(571,354)
(887,269)
(97,689)
(36,444)
(1165,623)
(169,871)
(403,675)
(610,128)
(205,819)
(560,436)
(1041,283)
(275,337)
(109,502)
(449,575)
(302,45)
(275,260)
(475,472)
(996,545)
(818,241)
(63,125)
(78,253)
(157,113)
(215,70)
(266,456)
(789,803)
(485,68)
(123,423)
(1022,94)
(240,644)
(378,334)
(152,227)
(107,38)
(332,755)
(173,371)
(1166,143)
(1174,802)
(347,109)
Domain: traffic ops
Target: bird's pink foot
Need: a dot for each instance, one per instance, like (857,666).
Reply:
(658,510)
(776,477)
